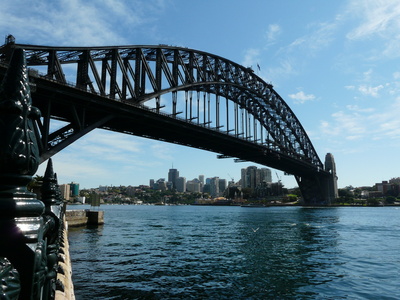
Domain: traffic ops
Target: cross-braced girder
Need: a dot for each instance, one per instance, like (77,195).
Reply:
(252,109)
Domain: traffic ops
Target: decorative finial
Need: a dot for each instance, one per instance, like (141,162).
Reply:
(19,153)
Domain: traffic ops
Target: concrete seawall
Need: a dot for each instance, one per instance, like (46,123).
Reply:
(72,218)
(65,277)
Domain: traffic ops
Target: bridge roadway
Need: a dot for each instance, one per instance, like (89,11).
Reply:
(83,111)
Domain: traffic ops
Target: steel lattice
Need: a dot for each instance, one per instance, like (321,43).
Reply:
(138,74)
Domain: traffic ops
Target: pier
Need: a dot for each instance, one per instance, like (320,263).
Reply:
(83,217)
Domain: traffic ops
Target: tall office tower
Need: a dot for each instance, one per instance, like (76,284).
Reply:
(249,177)
(214,187)
(181,184)
(201,178)
(222,186)
(65,191)
(330,166)
(173,174)
(243,178)
(265,175)
(152,183)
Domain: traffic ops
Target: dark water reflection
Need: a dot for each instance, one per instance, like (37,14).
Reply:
(189,252)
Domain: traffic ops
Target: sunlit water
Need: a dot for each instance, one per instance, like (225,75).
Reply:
(193,252)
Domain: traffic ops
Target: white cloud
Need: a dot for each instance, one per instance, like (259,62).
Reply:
(301,97)
(369,90)
(251,57)
(396,75)
(162,151)
(273,31)
(322,36)
(378,18)
(367,75)
(74,22)
(364,124)
(359,109)
(284,69)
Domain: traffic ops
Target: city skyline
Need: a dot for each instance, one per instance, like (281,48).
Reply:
(336,67)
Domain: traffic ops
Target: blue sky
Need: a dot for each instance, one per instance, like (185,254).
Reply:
(336,64)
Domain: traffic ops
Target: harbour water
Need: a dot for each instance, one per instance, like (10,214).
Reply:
(203,252)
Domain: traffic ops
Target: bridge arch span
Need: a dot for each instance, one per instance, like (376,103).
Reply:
(198,88)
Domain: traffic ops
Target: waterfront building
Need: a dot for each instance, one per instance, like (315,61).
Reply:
(264,175)
(81,200)
(387,188)
(254,178)
(250,177)
(74,188)
(103,188)
(65,191)
(181,184)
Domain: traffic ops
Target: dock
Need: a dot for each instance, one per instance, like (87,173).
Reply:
(83,217)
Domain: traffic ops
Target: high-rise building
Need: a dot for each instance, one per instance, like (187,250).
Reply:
(181,184)
(201,178)
(214,187)
(257,180)
(265,175)
(222,186)
(65,191)
(193,186)
(74,189)
(249,177)
(173,175)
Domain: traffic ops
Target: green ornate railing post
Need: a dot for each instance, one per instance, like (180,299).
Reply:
(53,216)
(22,245)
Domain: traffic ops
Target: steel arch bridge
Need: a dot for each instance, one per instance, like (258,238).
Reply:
(172,94)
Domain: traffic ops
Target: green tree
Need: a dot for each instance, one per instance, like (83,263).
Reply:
(373,202)
(390,199)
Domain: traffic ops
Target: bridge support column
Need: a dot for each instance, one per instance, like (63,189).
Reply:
(331,184)
(320,189)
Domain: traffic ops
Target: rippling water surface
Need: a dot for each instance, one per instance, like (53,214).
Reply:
(196,252)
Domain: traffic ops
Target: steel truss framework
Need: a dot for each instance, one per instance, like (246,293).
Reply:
(205,90)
